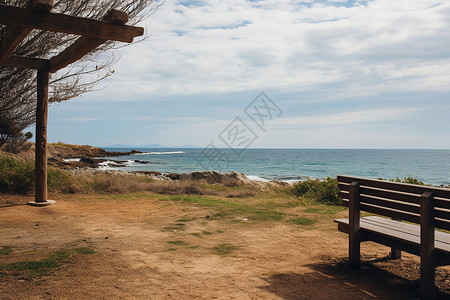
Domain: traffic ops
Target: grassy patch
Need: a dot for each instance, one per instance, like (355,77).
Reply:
(220,231)
(186,219)
(258,212)
(42,266)
(180,243)
(84,251)
(194,199)
(172,249)
(303,221)
(197,234)
(224,249)
(207,232)
(231,208)
(6,250)
(236,221)
(174,227)
(327,210)
(266,215)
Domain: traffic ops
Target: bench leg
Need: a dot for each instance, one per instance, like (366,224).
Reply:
(354,252)
(396,254)
(354,226)
(427,273)
(427,251)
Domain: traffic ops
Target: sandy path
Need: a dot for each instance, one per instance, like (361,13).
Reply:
(134,260)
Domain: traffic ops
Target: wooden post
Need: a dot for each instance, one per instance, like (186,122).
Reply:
(41,136)
(427,252)
(354,226)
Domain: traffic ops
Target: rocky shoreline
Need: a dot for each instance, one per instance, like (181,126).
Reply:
(89,160)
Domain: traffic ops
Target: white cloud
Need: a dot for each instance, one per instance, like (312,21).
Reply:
(346,118)
(230,46)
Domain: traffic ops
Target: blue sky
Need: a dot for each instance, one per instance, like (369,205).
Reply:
(346,74)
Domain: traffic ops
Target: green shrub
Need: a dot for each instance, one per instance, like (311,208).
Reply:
(318,191)
(16,176)
(61,181)
(410,180)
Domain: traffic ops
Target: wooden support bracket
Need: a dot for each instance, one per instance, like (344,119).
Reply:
(84,44)
(15,34)
(25,63)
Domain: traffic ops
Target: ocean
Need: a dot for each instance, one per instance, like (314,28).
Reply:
(429,166)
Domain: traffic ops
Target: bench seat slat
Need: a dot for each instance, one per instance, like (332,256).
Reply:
(402,226)
(405,233)
(441,222)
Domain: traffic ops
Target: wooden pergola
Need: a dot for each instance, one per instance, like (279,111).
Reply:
(20,21)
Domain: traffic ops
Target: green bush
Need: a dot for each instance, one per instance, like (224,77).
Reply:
(61,181)
(318,191)
(409,179)
(16,176)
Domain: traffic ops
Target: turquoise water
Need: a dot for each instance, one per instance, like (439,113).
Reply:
(430,166)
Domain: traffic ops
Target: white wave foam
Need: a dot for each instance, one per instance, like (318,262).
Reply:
(132,163)
(71,159)
(106,165)
(289,180)
(256,178)
(159,153)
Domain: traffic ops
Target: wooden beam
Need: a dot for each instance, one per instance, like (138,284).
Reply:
(74,52)
(26,63)
(84,44)
(15,35)
(41,136)
(23,17)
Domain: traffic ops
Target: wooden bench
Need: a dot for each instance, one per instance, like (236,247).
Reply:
(424,205)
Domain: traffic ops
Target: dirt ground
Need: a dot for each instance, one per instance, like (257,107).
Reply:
(146,248)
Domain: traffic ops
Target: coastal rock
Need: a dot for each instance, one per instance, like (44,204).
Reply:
(175,176)
(87,160)
(152,173)
(143,162)
(212,177)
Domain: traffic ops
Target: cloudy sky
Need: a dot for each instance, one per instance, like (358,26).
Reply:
(344,74)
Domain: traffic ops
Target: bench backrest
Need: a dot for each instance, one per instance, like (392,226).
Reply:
(397,200)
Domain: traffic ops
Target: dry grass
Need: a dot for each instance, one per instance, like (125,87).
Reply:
(123,184)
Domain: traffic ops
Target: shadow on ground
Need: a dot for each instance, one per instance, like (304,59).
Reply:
(334,280)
